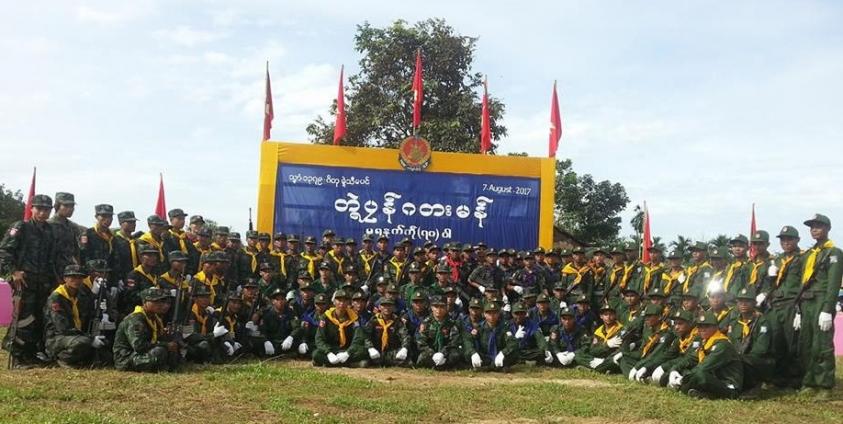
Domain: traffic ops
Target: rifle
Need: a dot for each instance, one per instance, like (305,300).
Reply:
(100,306)
(174,324)
(12,334)
(251,226)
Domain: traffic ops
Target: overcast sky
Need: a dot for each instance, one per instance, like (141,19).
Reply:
(699,108)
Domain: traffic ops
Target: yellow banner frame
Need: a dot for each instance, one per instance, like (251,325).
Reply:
(273,152)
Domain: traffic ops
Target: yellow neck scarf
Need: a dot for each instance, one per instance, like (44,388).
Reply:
(706,348)
(339,261)
(254,262)
(783,269)
(671,278)
(104,234)
(172,280)
(722,314)
(648,273)
(281,261)
(745,326)
(811,261)
(627,273)
(398,267)
(385,333)
(182,238)
(132,247)
(685,343)
(62,291)
(367,260)
(201,318)
(311,263)
(341,326)
(605,334)
(152,279)
(211,283)
(154,326)
(654,338)
(570,269)
(730,274)
(149,239)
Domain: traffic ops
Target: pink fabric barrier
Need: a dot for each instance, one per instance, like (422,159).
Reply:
(838,334)
(5,304)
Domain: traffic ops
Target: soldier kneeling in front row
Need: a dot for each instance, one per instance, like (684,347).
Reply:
(139,344)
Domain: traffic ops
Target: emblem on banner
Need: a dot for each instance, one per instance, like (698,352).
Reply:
(414,154)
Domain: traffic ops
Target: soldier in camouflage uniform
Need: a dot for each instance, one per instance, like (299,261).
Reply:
(139,344)
(66,233)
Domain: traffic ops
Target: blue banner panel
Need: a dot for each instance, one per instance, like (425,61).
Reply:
(440,207)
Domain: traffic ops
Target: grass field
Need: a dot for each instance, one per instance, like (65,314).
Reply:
(293,391)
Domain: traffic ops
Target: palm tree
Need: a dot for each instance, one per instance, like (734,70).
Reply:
(681,244)
(720,241)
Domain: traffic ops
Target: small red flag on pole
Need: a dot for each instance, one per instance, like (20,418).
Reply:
(485,122)
(418,92)
(27,211)
(339,125)
(268,112)
(752,229)
(161,204)
(647,240)
(555,125)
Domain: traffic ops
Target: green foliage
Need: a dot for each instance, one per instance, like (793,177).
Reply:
(586,208)
(379,99)
(11,207)
(720,241)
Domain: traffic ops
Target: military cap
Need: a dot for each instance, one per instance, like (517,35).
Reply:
(438,301)
(264,237)
(367,238)
(788,231)
(606,306)
(74,270)
(542,298)
(234,236)
(381,281)
(582,298)
(386,301)
(503,252)
(279,236)
(358,295)
(328,232)
(699,246)
(519,307)
(467,248)
(197,219)
(684,315)
(350,269)
(616,250)
(155,220)
(694,291)
(706,318)
(656,292)
(476,303)
(418,251)
(347,285)
(427,244)
(221,231)
(176,213)
(306,283)
(310,240)
(491,252)
(528,255)
(816,219)
(304,275)
(419,296)
(146,249)
(277,292)
(511,252)
(567,312)
(564,253)
(449,290)
(204,232)
(600,249)
(320,299)
(98,265)
(443,268)
(392,288)
(491,307)
(104,210)
(63,198)
(42,201)
(177,256)
(221,256)
(383,237)
(745,294)
(719,252)
(760,236)
(578,250)
(251,234)
(126,216)
(154,294)
(554,252)
(740,238)
(655,248)
(406,240)
(559,286)
(324,265)
(433,248)
(538,251)
(674,254)
(630,290)
(653,309)
(250,282)
(341,294)
(350,242)
(292,238)
(202,291)
(414,267)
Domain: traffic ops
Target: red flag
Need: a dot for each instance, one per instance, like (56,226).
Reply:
(752,250)
(418,91)
(555,125)
(161,205)
(27,211)
(485,122)
(268,113)
(647,241)
(339,126)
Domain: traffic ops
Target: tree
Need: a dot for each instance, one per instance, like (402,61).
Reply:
(379,99)
(11,207)
(682,245)
(720,241)
(585,208)
(637,220)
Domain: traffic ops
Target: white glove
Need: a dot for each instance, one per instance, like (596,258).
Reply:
(518,289)
(475,360)
(401,354)
(506,308)
(98,342)
(210,310)
(562,305)
(291,295)
(548,357)
(374,354)
(342,356)
(302,348)
(219,330)
(505,299)
(482,289)
(773,270)
(438,359)
(631,376)
(617,357)
(237,346)
(520,333)
(173,293)
(270,349)
(98,283)
(106,319)
(797,321)
(365,289)
(760,298)
(674,380)
(614,342)
(657,375)
(229,349)
(333,358)
(458,302)
(287,343)
(595,362)
(252,327)
(825,321)
(499,360)
(561,358)
(639,375)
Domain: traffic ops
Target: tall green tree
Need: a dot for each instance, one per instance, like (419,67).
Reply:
(379,98)
(11,207)
(682,244)
(586,208)
(720,241)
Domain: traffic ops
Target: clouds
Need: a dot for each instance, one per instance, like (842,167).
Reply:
(187,36)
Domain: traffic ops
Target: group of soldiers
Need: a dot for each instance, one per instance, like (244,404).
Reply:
(722,324)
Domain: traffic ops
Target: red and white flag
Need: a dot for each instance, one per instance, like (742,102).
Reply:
(647,241)
(27,211)
(268,112)
(161,204)
(485,122)
(752,229)
(339,125)
(418,91)
(555,125)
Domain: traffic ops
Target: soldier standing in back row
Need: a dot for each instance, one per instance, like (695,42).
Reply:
(67,234)
(98,242)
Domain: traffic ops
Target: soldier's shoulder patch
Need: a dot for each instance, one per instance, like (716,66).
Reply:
(473,331)
(13,232)
(713,347)
(509,334)
(695,344)
(322,323)
(832,259)
(553,335)
(422,327)
(356,324)
(763,329)
(55,306)
(661,340)
(729,328)
(305,324)
(707,274)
